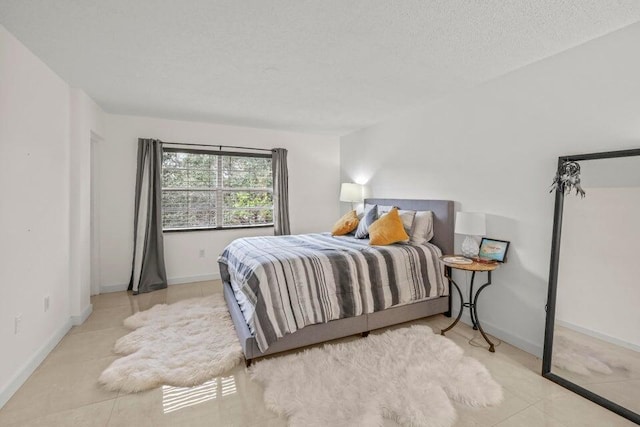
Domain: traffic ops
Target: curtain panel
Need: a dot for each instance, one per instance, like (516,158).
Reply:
(148,271)
(280,192)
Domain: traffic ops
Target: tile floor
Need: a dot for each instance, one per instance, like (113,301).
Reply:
(63,391)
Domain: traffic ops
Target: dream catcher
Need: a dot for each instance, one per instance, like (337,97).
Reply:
(568,178)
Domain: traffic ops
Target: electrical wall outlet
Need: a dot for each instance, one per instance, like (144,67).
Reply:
(202,253)
(17,325)
(46,303)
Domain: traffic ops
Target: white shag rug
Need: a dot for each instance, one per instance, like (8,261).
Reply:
(583,359)
(410,375)
(181,344)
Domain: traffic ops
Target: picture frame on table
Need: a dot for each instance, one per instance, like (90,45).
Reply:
(493,249)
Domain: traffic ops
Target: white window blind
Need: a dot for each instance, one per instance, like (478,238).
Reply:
(204,189)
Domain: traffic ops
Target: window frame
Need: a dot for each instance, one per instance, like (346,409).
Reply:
(218,191)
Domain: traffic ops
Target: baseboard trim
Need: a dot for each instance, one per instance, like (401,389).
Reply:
(105,289)
(598,335)
(189,279)
(38,357)
(508,337)
(79,320)
(32,364)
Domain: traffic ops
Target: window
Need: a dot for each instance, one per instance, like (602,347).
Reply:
(205,189)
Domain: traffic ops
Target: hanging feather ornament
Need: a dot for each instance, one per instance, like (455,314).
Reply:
(568,178)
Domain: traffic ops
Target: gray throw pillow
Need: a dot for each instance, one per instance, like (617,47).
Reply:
(369,218)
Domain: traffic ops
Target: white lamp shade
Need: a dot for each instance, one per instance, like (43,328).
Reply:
(471,223)
(350,192)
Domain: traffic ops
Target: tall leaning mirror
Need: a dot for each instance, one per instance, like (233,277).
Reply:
(592,335)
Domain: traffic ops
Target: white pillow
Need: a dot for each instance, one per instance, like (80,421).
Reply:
(422,231)
(384,209)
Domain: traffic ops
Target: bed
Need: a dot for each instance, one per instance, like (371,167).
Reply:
(280,295)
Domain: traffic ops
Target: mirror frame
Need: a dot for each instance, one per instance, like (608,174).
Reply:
(552,291)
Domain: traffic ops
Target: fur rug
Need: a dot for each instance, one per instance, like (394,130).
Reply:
(583,359)
(182,344)
(409,375)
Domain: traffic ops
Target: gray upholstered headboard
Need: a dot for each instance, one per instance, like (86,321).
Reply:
(443,217)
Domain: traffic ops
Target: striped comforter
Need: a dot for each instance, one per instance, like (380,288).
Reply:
(293,281)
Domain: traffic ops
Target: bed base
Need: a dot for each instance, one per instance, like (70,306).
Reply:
(314,334)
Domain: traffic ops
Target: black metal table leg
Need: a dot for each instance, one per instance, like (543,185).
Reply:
(474,310)
(470,304)
(451,281)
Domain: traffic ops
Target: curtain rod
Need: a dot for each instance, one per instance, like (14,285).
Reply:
(219,146)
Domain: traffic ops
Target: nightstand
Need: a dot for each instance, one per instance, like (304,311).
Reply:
(474,267)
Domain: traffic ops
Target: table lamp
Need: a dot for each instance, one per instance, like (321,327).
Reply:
(350,192)
(471,224)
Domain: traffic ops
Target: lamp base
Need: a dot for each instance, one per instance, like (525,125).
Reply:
(470,247)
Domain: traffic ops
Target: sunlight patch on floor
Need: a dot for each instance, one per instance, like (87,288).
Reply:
(176,398)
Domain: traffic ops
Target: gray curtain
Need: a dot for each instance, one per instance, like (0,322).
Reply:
(280,192)
(148,271)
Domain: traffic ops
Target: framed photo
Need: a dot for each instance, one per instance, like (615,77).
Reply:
(493,249)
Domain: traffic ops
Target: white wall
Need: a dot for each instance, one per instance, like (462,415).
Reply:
(34,210)
(494,149)
(314,172)
(86,117)
(598,286)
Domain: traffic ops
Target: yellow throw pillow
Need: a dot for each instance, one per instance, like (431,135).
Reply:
(387,230)
(346,224)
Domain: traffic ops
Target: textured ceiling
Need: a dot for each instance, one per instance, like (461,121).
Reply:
(315,66)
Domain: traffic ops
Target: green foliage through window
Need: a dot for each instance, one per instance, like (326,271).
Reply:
(215,190)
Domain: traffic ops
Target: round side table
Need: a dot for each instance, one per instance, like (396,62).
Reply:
(474,267)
